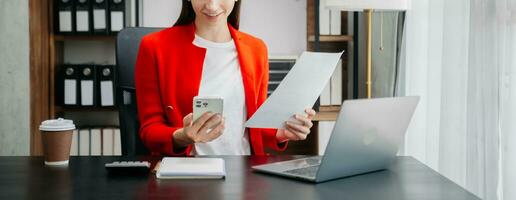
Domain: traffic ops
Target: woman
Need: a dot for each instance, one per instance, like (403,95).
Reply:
(204,54)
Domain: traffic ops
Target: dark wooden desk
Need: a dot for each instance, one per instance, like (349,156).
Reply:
(86,178)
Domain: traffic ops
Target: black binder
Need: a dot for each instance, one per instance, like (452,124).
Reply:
(99,14)
(87,86)
(68,87)
(116,16)
(64,16)
(106,85)
(83,17)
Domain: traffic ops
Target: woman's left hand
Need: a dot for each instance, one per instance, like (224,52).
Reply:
(297,127)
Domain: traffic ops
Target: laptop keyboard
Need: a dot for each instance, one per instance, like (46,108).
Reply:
(310,171)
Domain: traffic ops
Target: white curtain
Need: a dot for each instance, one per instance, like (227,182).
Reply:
(460,57)
(506,62)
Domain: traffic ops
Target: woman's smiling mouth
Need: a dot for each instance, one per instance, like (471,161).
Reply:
(212,15)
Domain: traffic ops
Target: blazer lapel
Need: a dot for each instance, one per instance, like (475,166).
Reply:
(189,67)
(247,69)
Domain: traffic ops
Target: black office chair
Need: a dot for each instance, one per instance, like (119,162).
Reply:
(127,46)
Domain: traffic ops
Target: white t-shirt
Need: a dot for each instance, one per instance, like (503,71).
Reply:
(221,76)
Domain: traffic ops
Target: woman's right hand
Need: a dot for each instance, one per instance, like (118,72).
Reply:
(207,127)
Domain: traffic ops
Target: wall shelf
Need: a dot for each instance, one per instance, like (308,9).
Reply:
(52,56)
(332,38)
(61,109)
(58,38)
(326,116)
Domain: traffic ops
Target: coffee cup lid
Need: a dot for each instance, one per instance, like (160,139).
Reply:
(59,124)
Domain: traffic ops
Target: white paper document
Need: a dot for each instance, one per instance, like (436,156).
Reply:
(299,90)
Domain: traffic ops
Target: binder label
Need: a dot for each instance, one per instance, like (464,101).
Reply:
(99,19)
(106,93)
(117,20)
(82,21)
(87,93)
(65,21)
(70,92)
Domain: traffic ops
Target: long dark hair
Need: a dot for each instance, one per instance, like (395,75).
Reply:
(187,15)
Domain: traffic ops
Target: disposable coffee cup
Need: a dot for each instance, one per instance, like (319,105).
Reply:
(57,139)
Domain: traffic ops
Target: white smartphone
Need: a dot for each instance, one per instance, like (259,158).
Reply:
(202,104)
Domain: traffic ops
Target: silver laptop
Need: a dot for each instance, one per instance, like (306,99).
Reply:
(366,138)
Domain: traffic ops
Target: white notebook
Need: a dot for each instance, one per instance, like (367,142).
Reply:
(191,168)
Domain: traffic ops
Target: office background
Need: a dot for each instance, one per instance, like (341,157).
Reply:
(283,27)
(462,128)
(15,55)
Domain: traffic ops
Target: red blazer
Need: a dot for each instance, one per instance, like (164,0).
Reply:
(168,75)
